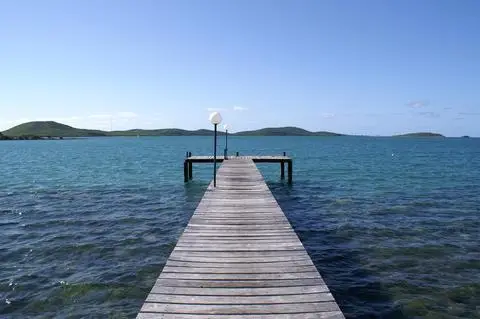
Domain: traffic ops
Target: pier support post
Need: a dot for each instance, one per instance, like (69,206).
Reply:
(282,168)
(238,153)
(190,170)
(185,171)
(290,172)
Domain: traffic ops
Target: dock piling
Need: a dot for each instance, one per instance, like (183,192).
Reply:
(290,172)
(185,171)
(190,167)
(282,167)
(190,170)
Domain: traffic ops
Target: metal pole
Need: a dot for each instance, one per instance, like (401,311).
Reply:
(215,157)
(226,144)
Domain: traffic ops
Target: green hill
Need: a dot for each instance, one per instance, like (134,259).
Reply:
(54,129)
(420,134)
(34,130)
(50,128)
(325,133)
(285,131)
(163,132)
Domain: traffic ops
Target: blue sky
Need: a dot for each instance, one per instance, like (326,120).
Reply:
(358,67)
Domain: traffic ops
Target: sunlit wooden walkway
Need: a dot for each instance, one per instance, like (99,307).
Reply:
(239,258)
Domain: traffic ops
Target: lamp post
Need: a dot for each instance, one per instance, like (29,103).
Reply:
(215,119)
(225,153)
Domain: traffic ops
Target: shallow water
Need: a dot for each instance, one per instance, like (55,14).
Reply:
(392,224)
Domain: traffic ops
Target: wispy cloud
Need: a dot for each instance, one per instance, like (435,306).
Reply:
(327,115)
(469,113)
(418,103)
(239,108)
(429,114)
(215,109)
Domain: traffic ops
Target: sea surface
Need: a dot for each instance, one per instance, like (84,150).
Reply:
(392,224)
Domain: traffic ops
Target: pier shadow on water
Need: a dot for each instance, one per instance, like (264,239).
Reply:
(330,241)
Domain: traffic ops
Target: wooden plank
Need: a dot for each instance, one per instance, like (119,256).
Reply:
(190,240)
(240,291)
(241,254)
(248,265)
(286,283)
(239,308)
(311,315)
(239,257)
(240,300)
(237,270)
(228,276)
(257,260)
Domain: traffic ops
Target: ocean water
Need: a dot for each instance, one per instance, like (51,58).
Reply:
(392,224)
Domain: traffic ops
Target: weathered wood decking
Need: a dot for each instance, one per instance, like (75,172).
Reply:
(239,258)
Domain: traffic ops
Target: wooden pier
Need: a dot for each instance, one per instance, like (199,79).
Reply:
(190,160)
(239,258)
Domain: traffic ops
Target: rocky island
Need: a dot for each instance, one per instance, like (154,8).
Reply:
(420,134)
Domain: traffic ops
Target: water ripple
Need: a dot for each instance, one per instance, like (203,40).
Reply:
(87,225)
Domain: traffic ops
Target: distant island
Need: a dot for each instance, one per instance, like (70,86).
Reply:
(53,130)
(285,131)
(420,134)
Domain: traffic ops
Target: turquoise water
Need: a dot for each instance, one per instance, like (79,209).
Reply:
(392,224)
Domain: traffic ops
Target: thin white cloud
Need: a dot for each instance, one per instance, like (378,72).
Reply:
(327,115)
(430,114)
(215,109)
(239,108)
(469,113)
(418,103)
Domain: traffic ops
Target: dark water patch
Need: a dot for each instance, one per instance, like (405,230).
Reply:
(384,268)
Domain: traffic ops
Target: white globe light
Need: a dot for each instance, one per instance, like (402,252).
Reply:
(225,127)
(215,118)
